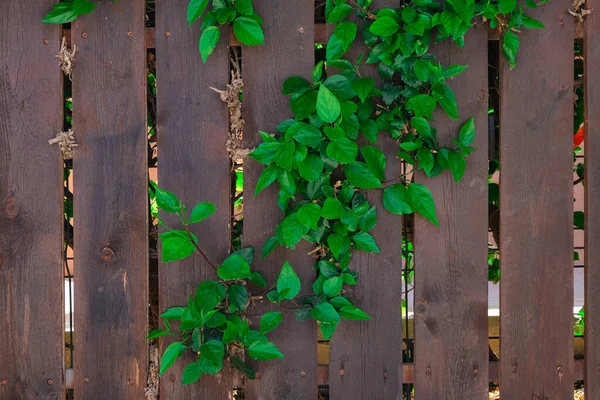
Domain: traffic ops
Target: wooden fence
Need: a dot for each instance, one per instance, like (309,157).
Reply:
(111,213)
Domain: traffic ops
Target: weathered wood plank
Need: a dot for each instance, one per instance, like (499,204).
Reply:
(289,38)
(31,209)
(451,330)
(536,239)
(110,210)
(366,356)
(193,127)
(591,42)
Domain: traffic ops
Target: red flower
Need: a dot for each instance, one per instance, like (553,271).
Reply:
(578,138)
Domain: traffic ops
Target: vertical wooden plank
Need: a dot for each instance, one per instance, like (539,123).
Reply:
(370,352)
(31,209)
(451,277)
(288,51)
(111,239)
(536,200)
(591,50)
(193,127)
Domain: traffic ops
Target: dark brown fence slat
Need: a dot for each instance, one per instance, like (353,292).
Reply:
(536,200)
(193,163)
(366,356)
(591,41)
(288,51)
(31,205)
(111,239)
(451,338)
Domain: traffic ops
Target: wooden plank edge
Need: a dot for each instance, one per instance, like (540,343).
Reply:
(408,373)
(320,34)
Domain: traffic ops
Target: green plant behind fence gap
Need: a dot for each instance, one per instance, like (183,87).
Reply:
(331,113)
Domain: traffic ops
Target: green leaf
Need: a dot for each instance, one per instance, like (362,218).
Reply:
(447,100)
(421,126)
(270,245)
(244,7)
(234,267)
(201,212)
(213,350)
(173,313)
(295,84)
(288,283)
(310,169)
(339,13)
(359,174)
(422,105)
(333,286)
(325,312)
(397,200)
(195,10)
(328,106)
(238,296)
(451,21)
(354,313)
(466,136)
(270,321)
(384,26)
(453,70)
(62,13)
(156,333)
(241,366)
(422,70)
(342,150)
(531,23)
(208,41)
(191,373)
(166,201)
(284,155)
(248,31)
(264,351)
(510,46)
(579,219)
(176,245)
(335,243)
(457,165)
(265,152)
(208,296)
(230,333)
(365,242)
(425,159)
(81,7)
(333,209)
(173,351)
(327,330)
(422,202)
(267,177)
(363,87)
(507,6)
(292,230)
(341,40)
(309,214)
(375,160)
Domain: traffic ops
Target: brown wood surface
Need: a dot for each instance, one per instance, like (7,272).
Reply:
(451,277)
(111,238)
(591,44)
(193,124)
(288,51)
(366,356)
(31,202)
(536,198)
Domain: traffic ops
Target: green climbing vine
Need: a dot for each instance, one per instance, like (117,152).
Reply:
(324,160)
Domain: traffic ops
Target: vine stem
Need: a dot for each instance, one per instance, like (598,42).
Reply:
(199,250)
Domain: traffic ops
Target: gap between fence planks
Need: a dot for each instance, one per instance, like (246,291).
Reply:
(536,212)
(451,269)
(193,125)
(320,34)
(591,75)
(111,213)
(31,205)
(288,51)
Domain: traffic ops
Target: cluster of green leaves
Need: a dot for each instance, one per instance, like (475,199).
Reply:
(247,25)
(213,324)
(68,11)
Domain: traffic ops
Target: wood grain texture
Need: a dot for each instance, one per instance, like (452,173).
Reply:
(370,352)
(289,30)
(536,200)
(110,210)
(591,43)
(451,277)
(193,125)
(31,197)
